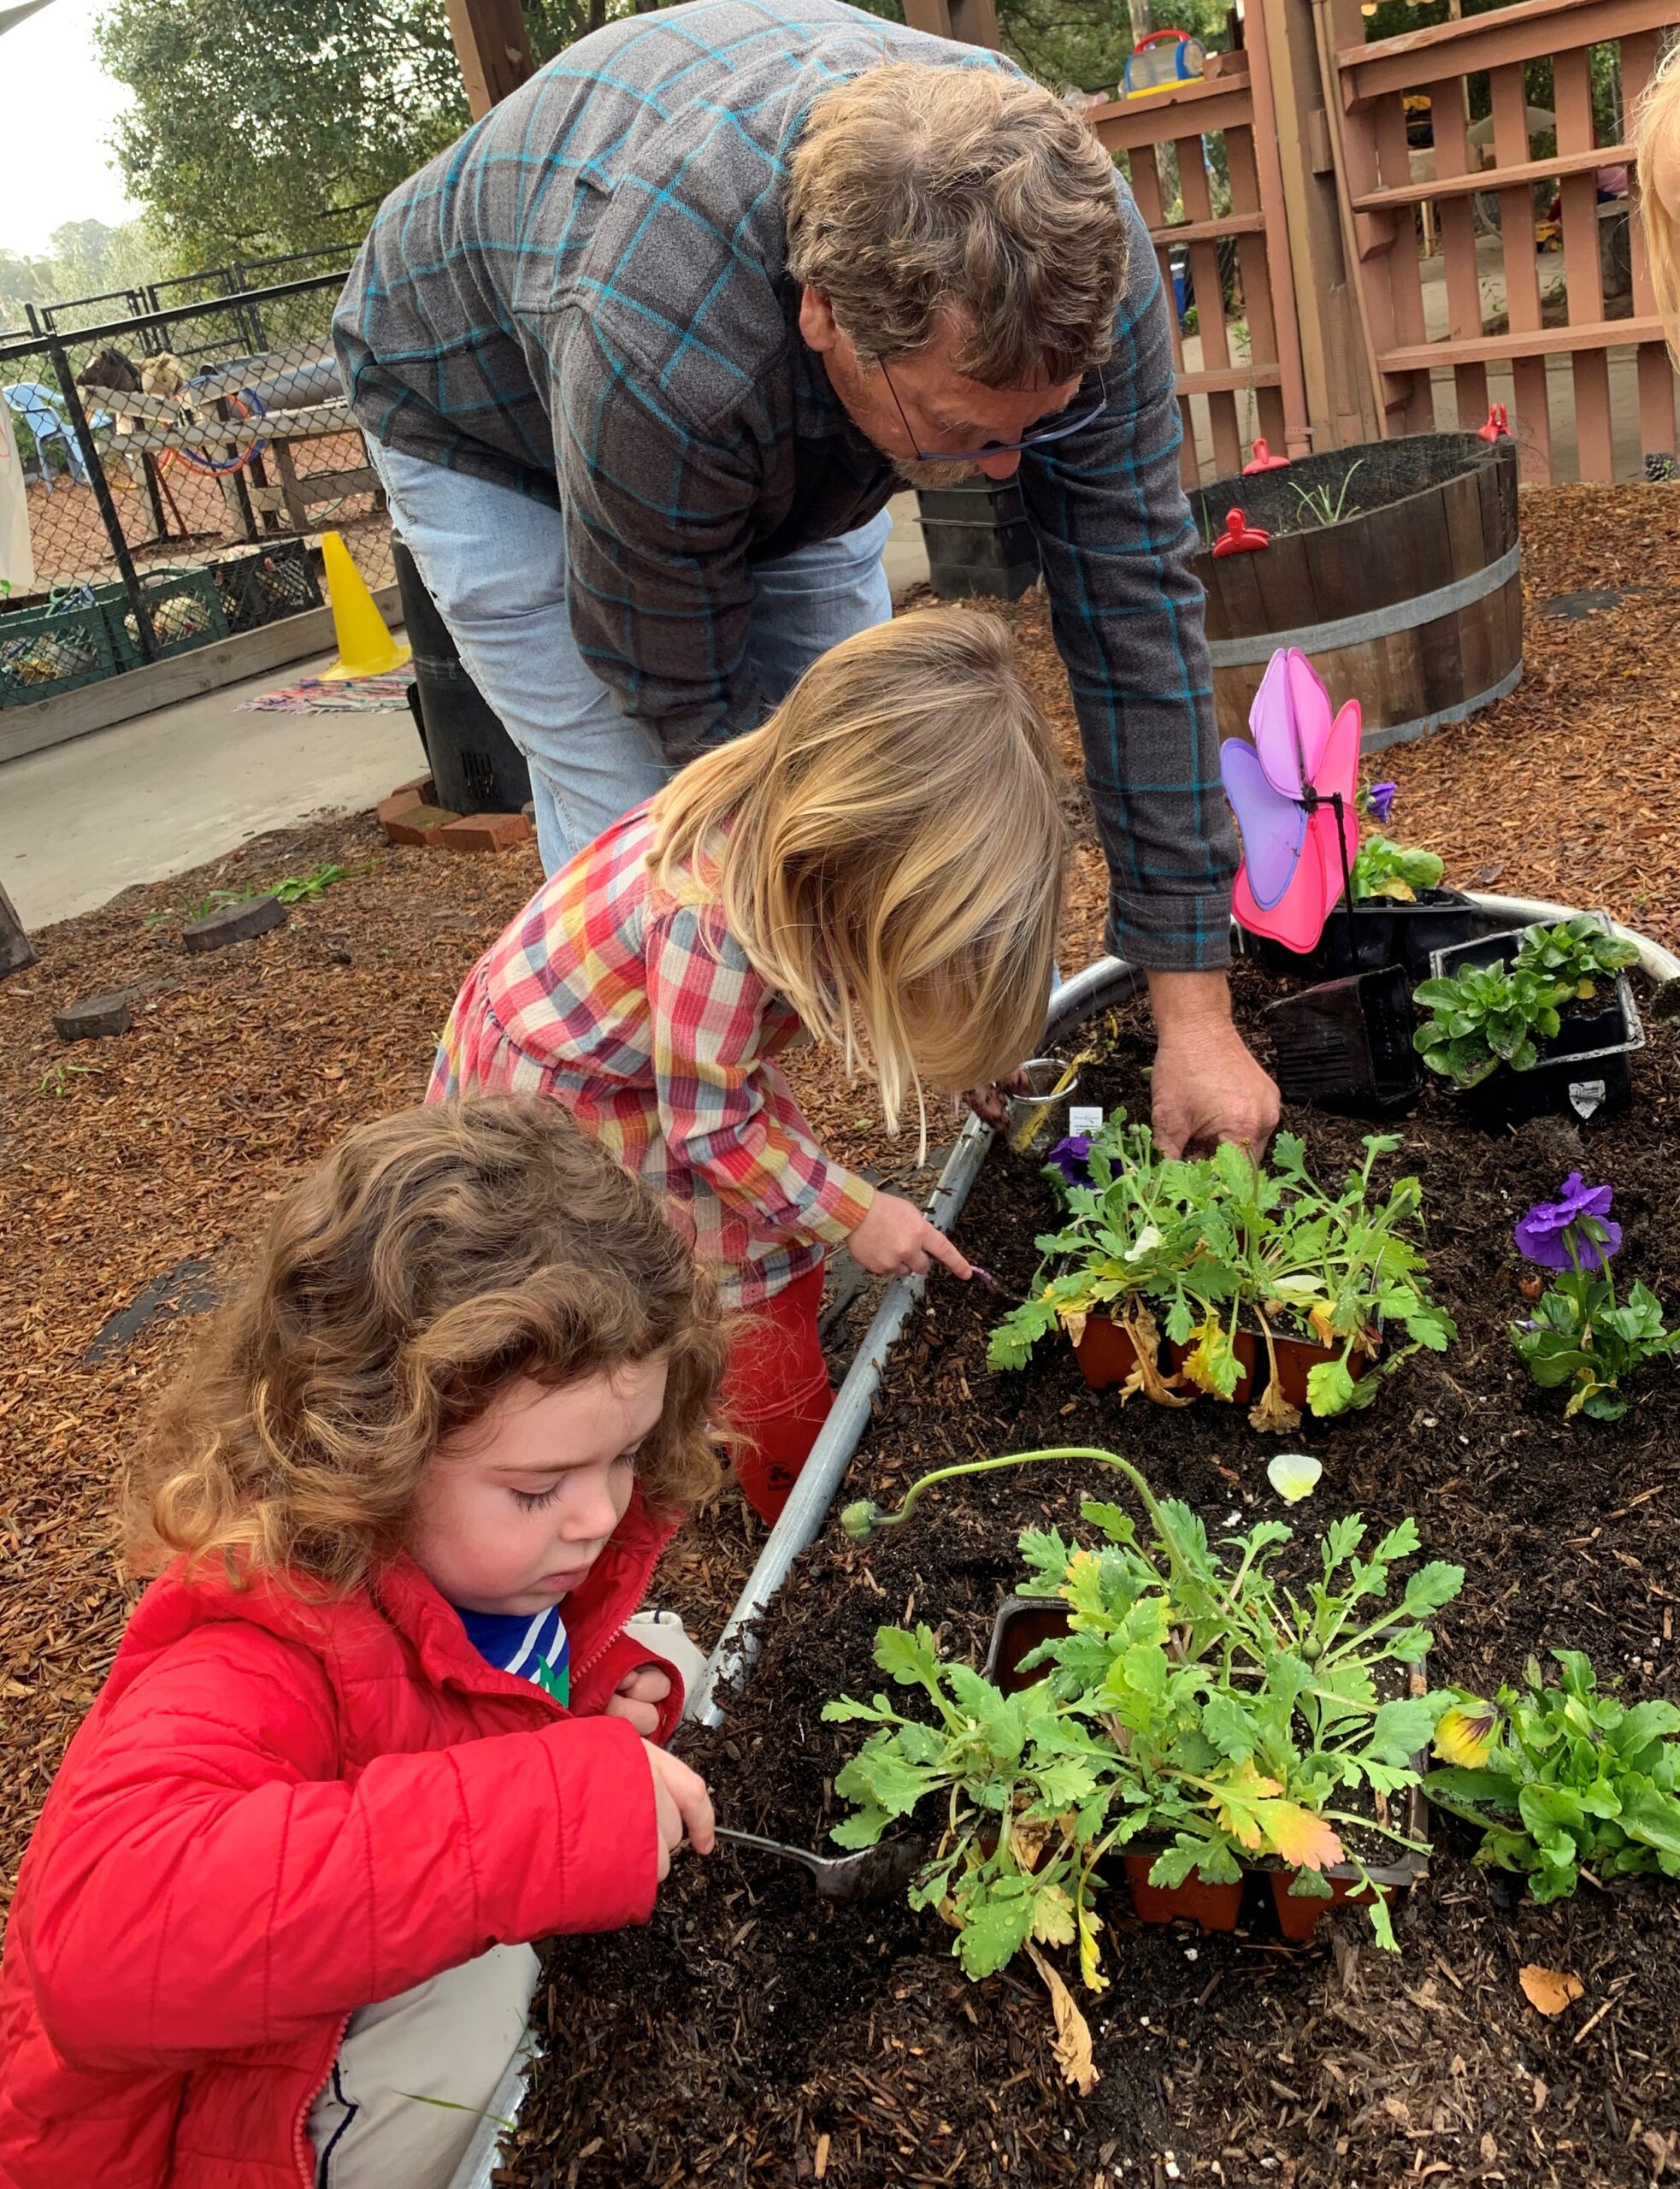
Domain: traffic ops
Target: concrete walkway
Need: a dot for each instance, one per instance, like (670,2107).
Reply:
(151,798)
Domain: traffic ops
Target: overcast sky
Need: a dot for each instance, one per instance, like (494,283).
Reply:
(57,108)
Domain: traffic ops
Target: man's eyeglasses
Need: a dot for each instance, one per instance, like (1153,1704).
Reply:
(1036,439)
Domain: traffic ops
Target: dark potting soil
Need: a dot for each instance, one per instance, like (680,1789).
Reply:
(750,2035)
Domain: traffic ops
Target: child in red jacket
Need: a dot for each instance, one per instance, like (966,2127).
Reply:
(383,1721)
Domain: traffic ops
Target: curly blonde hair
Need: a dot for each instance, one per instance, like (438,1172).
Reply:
(887,849)
(919,194)
(432,1260)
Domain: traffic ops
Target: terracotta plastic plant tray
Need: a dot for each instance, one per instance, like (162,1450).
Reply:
(1024,1622)
(1107,1354)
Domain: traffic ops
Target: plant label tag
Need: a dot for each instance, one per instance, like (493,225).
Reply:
(1085,1124)
(1585,1096)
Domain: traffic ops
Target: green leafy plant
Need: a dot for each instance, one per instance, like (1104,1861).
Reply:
(1223,1245)
(1577,953)
(1564,1781)
(1397,871)
(295,889)
(1485,1016)
(1195,1705)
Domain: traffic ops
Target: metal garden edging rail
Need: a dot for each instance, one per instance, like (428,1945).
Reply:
(1101,987)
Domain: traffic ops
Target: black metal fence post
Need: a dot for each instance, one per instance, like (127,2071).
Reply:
(101,494)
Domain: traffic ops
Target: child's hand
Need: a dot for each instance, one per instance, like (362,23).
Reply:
(990,1103)
(638,1696)
(896,1240)
(684,1808)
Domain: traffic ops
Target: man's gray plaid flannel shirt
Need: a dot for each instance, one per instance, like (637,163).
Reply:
(587,299)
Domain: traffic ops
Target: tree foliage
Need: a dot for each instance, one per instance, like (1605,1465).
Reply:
(264,128)
(85,258)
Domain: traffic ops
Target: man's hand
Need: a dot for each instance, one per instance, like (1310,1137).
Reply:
(683,1805)
(638,1696)
(896,1240)
(1206,1086)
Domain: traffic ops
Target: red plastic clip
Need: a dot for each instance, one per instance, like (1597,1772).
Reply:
(1264,460)
(1498,424)
(1240,537)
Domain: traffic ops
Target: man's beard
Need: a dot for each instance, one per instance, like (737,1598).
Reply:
(915,472)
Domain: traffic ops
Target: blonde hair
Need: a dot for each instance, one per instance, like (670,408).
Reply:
(1657,124)
(887,851)
(432,1261)
(917,193)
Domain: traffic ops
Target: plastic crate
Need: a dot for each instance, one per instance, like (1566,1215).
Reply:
(45,651)
(265,585)
(185,608)
(1346,1045)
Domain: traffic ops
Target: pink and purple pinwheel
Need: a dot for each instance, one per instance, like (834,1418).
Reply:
(1293,793)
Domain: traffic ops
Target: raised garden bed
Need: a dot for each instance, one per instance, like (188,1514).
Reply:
(748,2035)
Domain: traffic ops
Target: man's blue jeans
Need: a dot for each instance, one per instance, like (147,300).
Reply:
(495,563)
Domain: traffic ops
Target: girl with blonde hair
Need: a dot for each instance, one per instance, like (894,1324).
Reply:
(878,867)
(388,1713)
(1656,143)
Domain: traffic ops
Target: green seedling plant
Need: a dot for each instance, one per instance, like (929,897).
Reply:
(1484,1015)
(1318,503)
(1562,1781)
(1196,1705)
(1577,953)
(1224,1244)
(1396,871)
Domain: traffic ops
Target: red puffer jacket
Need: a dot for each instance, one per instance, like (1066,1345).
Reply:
(278,1812)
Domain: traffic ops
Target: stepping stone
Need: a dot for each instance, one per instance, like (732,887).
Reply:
(236,922)
(186,1289)
(486,832)
(93,1018)
(418,824)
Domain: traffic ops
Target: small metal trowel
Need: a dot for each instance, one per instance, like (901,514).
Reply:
(876,1873)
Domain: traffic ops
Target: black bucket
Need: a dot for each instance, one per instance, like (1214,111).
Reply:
(477,767)
(1346,1045)
(978,540)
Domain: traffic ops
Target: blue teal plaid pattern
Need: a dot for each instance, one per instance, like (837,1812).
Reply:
(586,300)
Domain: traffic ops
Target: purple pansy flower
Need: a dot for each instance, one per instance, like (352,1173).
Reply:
(1580,1217)
(1068,1156)
(1378,800)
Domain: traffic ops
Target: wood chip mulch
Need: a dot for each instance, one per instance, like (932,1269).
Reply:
(134,1172)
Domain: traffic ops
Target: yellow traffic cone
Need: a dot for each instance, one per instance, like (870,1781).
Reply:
(366,647)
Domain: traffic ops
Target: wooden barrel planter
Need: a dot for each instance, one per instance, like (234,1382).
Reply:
(1412,604)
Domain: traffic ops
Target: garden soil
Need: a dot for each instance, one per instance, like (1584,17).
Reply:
(748,2029)
(133,1172)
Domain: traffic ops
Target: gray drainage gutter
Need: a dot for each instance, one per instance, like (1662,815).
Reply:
(1102,987)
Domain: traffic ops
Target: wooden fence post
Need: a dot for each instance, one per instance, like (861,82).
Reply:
(1340,403)
(493,49)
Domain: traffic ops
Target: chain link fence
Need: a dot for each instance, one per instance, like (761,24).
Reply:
(175,469)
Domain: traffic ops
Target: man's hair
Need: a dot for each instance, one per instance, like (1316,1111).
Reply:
(887,851)
(919,194)
(434,1260)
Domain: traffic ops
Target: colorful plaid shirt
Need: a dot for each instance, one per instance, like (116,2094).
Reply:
(648,1021)
(587,299)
